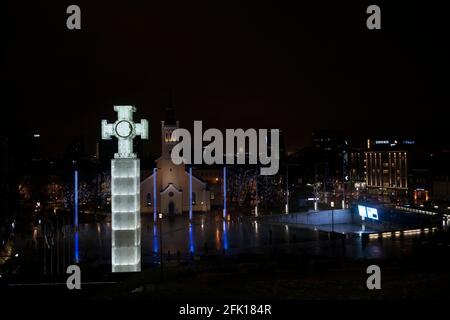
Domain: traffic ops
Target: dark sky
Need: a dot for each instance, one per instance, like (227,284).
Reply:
(297,66)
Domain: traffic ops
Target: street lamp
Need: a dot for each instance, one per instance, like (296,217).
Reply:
(160,217)
(287,185)
(332,217)
(257,201)
(316,194)
(224,214)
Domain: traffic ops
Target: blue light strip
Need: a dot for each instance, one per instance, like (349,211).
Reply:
(190,193)
(76,253)
(76,199)
(224,192)
(191,239)
(225,236)
(155,238)
(155,214)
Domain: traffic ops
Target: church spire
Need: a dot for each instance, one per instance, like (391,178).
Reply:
(170,111)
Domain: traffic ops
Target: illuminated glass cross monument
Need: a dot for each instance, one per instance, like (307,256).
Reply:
(125,190)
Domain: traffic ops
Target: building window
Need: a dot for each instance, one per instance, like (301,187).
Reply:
(212,196)
(194,198)
(149,199)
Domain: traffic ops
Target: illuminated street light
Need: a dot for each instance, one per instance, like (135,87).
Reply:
(332,217)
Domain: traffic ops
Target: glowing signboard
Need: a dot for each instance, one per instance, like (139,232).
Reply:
(362,211)
(372,213)
(368,212)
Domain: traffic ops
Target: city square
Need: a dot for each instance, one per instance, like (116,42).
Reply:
(214,160)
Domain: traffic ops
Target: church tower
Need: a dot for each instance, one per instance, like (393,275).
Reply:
(172,184)
(167,127)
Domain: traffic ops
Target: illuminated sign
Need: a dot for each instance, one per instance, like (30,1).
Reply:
(362,211)
(372,213)
(368,212)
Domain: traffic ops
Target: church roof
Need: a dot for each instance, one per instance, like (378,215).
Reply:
(171,185)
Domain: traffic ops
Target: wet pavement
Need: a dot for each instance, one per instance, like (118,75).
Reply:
(208,234)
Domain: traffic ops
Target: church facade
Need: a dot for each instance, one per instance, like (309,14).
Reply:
(172,181)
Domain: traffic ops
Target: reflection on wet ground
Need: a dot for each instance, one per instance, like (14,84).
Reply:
(206,234)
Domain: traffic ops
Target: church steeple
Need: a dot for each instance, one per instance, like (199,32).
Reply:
(167,127)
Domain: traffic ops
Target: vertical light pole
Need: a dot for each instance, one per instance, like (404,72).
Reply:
(75,219)
(155,214)
(160,216)
(155,237)
(225,236)
(75,201)
(190,194)
(191,239)
(287,188)
(76,249)
(316,196)
(257,199)
(224,192)
(332,218)
(343,194)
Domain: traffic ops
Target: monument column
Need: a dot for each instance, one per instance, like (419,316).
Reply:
(125,190)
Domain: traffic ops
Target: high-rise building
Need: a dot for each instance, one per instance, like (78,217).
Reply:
(394,167)
(331,153)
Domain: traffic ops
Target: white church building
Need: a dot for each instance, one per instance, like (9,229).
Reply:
(172,181)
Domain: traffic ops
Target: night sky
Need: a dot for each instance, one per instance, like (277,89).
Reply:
(312,65)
